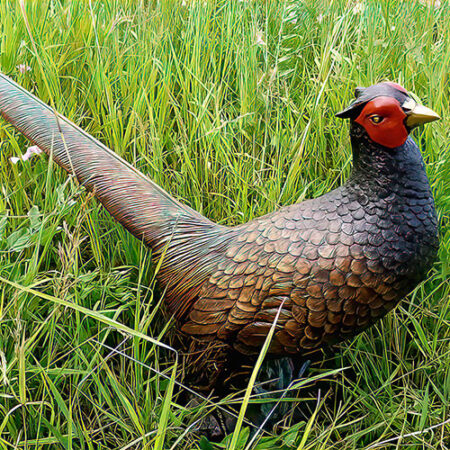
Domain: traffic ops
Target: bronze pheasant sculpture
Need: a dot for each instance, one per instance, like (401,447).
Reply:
(331,266)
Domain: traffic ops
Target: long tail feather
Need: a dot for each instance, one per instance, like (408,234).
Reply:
(189,241)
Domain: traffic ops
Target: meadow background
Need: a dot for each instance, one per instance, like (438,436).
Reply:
(229,105)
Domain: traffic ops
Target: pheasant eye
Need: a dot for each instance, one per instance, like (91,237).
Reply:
(376,118)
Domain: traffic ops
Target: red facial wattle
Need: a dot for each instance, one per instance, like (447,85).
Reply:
(391,131)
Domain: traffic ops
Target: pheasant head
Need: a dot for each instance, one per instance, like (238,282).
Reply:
(387,113)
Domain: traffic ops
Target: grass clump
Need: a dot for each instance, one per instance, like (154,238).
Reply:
(230,107)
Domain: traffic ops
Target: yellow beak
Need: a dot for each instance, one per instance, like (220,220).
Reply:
(419,115)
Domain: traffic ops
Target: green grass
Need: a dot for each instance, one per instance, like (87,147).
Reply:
(229,106)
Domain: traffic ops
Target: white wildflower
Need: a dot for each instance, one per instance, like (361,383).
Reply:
(291,18)
(435,3)
(23,68)
(358,8)
(259,39)
(34,150)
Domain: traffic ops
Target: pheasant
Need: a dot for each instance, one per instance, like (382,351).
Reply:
(325,268)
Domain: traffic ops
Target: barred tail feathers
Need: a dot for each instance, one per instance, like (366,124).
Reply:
(190,242)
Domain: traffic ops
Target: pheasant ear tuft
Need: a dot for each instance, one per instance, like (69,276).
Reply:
(351,111)
(359,90)
(343,114)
